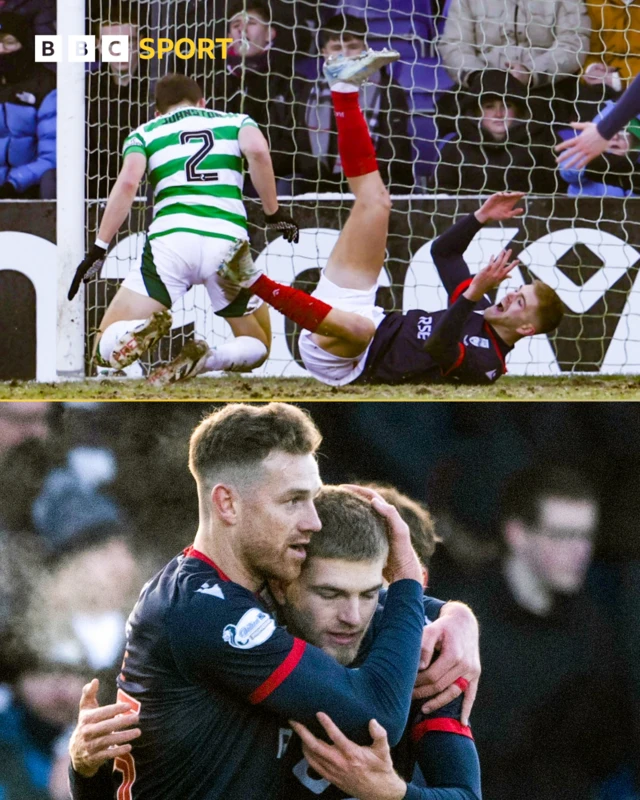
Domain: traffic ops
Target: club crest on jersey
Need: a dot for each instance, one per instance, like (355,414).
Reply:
(254,627)
(476,341)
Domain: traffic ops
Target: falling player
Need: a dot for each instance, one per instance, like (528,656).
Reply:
(193,157)
(347,337)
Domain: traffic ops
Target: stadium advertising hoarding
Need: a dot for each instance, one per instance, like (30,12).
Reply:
(587,249)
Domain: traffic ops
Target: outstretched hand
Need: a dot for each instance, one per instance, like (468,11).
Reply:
(500,206)
(491,276)
(582,149)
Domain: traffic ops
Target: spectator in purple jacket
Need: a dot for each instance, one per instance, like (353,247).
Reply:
(27,113)
(41,14)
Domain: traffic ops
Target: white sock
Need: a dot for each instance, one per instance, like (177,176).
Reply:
(240,355)
(110,339)
(343,86)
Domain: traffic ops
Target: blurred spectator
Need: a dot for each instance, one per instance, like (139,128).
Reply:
(499,146)
(22,421)
(614,173)
(36,711)
(614,52)
(26,455)
(542,45)
(552,680)
(41,14)
(383,101)
(118,100)
(256,79)
(28,113)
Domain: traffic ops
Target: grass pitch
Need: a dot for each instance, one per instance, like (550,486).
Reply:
(566,388)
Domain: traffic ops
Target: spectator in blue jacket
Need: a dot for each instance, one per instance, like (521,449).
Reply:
(27,113)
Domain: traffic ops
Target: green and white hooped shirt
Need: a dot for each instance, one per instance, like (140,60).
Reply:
(194,164)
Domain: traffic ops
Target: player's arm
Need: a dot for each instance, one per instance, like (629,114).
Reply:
(444,750)
(122,195)
(448,249)
(449,656)
(236,644)
(102,734)
(595,139)
(117,210)
(445,343)
(255,148)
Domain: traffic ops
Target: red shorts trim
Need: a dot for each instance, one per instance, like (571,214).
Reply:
(280,673)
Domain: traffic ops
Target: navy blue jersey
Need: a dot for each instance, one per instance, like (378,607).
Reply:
(438,744)
(215,680)
(453,345)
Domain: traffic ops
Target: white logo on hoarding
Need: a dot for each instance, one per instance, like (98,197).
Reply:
(254,627)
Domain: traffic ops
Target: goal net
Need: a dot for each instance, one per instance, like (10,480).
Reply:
(447,130)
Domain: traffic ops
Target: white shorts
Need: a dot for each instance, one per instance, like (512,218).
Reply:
(335,370)
(173,263)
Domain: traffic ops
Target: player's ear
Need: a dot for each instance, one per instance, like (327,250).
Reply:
(272,33)
(526,330)
(224,503)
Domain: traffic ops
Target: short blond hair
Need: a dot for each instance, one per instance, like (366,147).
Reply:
(550,309)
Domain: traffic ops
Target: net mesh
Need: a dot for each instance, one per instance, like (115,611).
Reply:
(449,120)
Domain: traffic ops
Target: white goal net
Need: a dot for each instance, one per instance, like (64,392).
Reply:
(475,104)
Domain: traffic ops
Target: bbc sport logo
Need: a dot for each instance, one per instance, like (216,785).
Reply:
(116,48)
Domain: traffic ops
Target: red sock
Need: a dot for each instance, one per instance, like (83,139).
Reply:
(295,304)
(356,149)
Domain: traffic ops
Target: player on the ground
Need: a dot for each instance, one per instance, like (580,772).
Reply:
(332,605)
(595,139)
(193,157)
(347,337)
(206,667)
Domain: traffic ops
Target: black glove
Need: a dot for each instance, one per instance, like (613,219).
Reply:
(7,191)
(282,222)
(91,264)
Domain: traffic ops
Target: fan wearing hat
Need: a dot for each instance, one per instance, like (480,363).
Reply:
(27,112)
(499,147)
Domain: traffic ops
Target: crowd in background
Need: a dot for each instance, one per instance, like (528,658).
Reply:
(536,505)
(482,92)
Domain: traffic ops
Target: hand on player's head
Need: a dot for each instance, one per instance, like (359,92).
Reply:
(402,561)
(500,206)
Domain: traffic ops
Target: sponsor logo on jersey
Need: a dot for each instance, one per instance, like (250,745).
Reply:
(476,341)
(425,325)
(254,628)
(214,591)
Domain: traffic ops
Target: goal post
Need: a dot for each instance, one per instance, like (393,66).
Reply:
(70,204)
